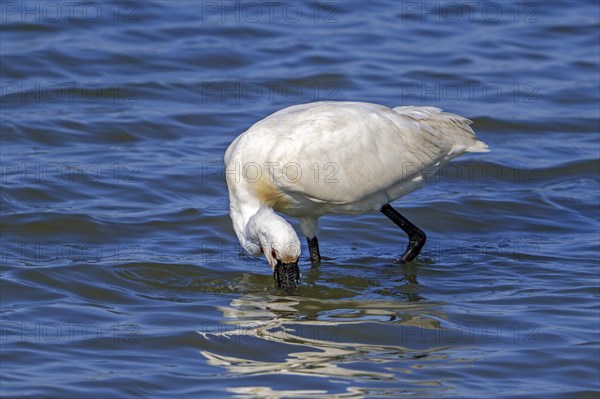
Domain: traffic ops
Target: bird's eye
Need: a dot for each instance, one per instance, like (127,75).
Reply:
(274,254)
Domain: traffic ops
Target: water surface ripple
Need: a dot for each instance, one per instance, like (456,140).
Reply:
(121,274)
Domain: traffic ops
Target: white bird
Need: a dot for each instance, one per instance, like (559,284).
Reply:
(318,158)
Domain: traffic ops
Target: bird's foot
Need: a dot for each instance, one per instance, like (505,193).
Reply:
(313,249)
(414,248)
(315,262)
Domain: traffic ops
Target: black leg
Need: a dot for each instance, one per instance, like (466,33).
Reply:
(313,249)
(416,237)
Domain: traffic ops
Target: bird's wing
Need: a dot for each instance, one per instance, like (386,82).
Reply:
(342,152)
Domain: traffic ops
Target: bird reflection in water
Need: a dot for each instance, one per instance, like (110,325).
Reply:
(330,338)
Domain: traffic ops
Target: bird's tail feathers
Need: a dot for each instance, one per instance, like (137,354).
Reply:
(479,146)
(435,119)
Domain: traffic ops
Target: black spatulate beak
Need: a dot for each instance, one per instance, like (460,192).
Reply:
(287,276)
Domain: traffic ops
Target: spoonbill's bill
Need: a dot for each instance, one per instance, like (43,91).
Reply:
(312,159)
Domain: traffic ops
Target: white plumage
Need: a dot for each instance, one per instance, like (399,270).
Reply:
(332,157)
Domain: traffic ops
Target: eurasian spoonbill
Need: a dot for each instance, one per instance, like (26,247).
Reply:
(312,159)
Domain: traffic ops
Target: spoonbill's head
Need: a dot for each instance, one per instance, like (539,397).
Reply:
(272,235)
(283,259)
(282,250)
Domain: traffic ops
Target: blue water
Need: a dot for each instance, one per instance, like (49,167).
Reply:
(121,274)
